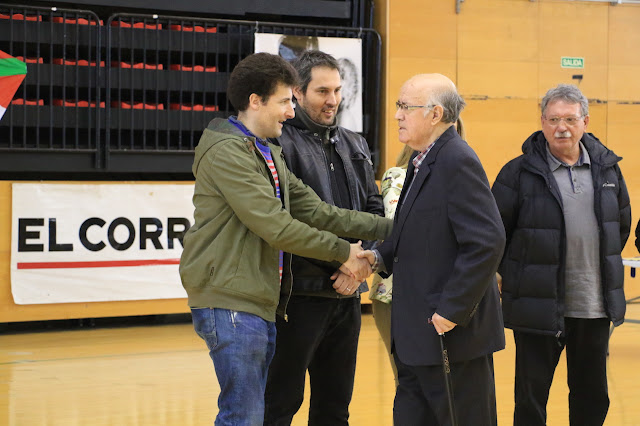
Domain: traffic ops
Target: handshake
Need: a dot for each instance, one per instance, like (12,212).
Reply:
(355,270)
(359,264)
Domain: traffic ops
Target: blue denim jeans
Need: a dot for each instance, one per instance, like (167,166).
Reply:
(241,346)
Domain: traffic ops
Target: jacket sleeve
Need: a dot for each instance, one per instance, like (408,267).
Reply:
(625,210)
(231,170)
(505,192)
(307,207)
(479,234)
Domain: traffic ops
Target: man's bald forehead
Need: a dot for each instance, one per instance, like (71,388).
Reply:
(429,84)
(433,80)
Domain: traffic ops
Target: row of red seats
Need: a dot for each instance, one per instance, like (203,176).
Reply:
(121,24)
(172,106)
(117,104)
(122,64)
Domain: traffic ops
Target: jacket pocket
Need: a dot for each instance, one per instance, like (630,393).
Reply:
(359,156)
(363,166)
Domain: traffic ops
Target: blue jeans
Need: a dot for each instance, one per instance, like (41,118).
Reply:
(241,346)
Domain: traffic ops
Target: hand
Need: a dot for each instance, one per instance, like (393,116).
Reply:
(441,324)
(499,280)
(367,254)
(344,284)
(358,269)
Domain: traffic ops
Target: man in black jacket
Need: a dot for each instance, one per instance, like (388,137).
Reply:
(320,333)
(565,208)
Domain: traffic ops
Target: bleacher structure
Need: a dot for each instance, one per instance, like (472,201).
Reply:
(126,95)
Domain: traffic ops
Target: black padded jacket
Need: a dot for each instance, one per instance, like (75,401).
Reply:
(532,266)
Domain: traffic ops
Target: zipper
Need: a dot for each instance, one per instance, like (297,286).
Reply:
(286,317)
(328,138)
(232,315)
(286,304)
(330,165)
(597,211)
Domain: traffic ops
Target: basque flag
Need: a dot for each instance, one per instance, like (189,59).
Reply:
(12,72)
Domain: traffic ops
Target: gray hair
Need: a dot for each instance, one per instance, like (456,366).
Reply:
(451,103)
(567,93)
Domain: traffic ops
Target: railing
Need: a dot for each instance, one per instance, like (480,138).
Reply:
(132,94)
(57,107)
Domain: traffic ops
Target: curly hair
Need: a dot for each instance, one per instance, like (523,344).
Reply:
(260,73)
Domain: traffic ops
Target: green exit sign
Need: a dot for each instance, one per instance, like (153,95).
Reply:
(569,62)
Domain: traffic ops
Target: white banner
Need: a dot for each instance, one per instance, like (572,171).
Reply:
(97,242)
(348,52)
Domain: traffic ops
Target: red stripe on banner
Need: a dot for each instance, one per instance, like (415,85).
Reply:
(96,264)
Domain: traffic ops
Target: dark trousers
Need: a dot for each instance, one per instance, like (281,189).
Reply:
(421,397)
(321,336)
(537,356)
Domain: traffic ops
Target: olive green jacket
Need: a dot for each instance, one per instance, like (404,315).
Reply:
(230,256)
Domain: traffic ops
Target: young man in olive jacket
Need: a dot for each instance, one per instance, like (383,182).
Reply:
(565,209)
(321,333)
(249,209)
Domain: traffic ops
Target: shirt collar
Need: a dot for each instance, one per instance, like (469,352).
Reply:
(554,163)
(418,159)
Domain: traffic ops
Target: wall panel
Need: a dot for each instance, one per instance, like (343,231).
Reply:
(496,129)
(421,38)
(622,137)
(498,49)
(574,29)
(624,53)
(505,54)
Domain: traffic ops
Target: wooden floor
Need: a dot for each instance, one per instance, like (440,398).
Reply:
(162,375)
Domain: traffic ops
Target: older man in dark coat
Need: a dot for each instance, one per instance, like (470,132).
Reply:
(446,245)
(566,212)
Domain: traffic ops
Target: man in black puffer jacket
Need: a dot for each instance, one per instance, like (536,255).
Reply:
(565,209)
(320,333)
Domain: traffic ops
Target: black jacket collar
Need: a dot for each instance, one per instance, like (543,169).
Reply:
(304,122)
(534,149)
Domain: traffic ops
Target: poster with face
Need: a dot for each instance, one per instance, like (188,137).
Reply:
(348,52)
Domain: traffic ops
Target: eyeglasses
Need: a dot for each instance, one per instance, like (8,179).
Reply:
(405,108)
(570,121)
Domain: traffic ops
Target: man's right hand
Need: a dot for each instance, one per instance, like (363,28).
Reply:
(358,268)
(368,255)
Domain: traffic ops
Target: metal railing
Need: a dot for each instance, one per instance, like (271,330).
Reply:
(58,105)
(136,92)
